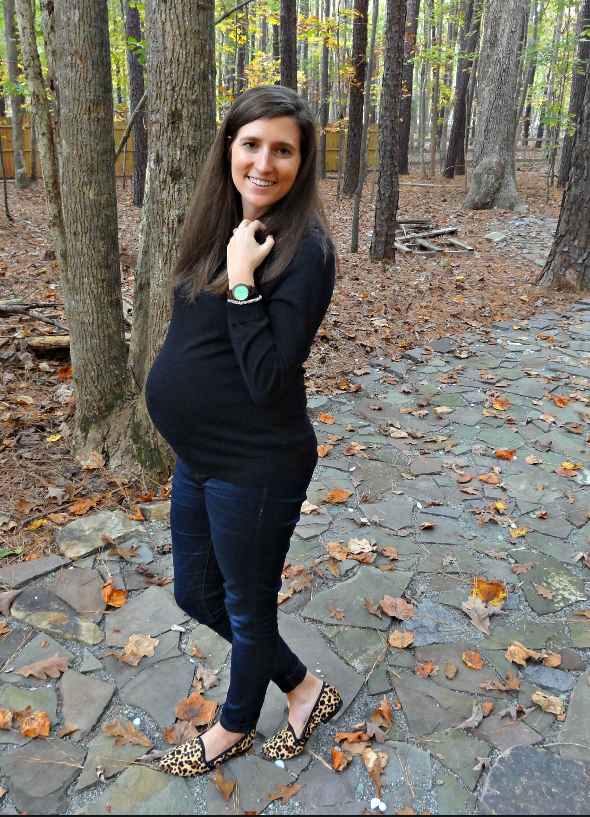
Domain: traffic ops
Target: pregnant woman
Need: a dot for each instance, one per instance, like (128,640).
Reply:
(252,283)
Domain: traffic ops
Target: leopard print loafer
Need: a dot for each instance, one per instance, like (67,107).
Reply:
(188,760)
(285,744)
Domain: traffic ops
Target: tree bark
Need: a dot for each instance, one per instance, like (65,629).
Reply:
(304,8)
(17,101)
(356,97)
(576,92)
(136,91)
(493,182)
(324,96)
(406,104)
(288,43)
(94,306)
(455,158)
(382,245)
(242,33)
(568,264)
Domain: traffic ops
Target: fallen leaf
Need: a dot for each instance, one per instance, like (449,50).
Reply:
(375,763)
(196,709)
(404,810)
(127,734)
(541,514)
(208,677)
(482,763)
(585,613)
(373,608)
(67,730)
(340,759)
(308,508)
(486,708)
(426,669)
(390,553)
(548,418)
(4,628)
(284,792)
(549,703)
(551,659)
(82,506)
(48,668)
(512,682)
(351,737)
(491,683)
(533,460)
(327,419)
(470,491)
(336,496)
(137,647)
(565,472)
(496,554)
(5,718)
(65,372)
(479,612)
(506,453)
(472,659)
(427,525)
(474,719)
(112,596)
(400,640)
(225,786)
(440,411)
(58,518)
(501,404)
(463,480)
(180,732)
(517,533)
(493,592)
(397,608)
(560,400)
(451,670)
(35,725)
(524,568)
(518,654)
(491,479)
(543,591)
(127,554)
(323,450)
(335,612)
(382,716)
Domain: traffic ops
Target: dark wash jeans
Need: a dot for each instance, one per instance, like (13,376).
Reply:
(229,545)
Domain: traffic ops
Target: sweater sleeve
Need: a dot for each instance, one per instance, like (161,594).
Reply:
(272,338)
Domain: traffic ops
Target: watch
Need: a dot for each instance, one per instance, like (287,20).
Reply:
(242,292)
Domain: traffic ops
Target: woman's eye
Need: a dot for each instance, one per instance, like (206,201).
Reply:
(284,151)
(249,144)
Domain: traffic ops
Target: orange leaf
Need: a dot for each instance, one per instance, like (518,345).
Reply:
(382,716)
(506,453)
(486,708)
(426,669)
(491,479)
(519,569)
(397,608)
(64,372)
(36,725)
(180,732)
(82,506)
(501,404)
(518,654)
(323,450)
(340,760)
(196,709)
(351,737)
(560,400)
(451,670)
(542,591)
(225,786)
(5,718)
(473,660)
(400,640)
(493,593)
(465,479)
(137,515)
(284,792)
(565,472)
(336,496)
(325,418)
(112,596)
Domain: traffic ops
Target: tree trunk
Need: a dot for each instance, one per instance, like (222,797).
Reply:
(382,245)
(455,158)
(324,95)
(356,97)
(288,41)
(304,7)
(493,182)
(136,91)
(241,56)
(568,264)
(94,306)
(17,101)
(436,42)
(406,104)
(577,92)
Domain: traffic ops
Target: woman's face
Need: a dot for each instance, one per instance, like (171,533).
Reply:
(265,160)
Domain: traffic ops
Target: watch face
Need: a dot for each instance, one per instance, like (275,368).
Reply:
(241,292)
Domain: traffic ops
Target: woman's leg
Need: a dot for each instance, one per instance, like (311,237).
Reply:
(251,530)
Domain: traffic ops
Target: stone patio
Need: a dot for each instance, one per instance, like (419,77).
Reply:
(416,493)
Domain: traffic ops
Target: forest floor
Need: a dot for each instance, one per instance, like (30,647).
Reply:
(378,311)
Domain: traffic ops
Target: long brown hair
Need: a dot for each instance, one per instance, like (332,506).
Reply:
(217,206)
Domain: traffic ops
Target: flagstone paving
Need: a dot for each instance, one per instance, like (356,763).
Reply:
(415,493)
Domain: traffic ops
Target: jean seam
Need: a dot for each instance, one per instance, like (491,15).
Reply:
(203,586)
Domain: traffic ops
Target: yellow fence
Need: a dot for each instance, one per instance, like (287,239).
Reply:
(126,157)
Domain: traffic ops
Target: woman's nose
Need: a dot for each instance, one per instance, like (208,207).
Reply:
(264,161)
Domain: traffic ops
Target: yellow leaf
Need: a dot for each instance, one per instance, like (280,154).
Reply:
(54,438)
(37,524)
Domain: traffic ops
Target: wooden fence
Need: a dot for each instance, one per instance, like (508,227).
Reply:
(126,157)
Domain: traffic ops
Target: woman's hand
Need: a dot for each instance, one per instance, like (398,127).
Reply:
(245,254)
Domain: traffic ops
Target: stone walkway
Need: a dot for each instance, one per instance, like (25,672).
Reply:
(465,459)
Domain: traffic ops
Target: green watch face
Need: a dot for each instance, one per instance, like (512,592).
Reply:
(241,292)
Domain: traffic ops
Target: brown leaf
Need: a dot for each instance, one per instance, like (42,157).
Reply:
(497,554)
(470,491)
(565,472)
(405,809)
(474,719)
(208,677)
(560,400)
(5,718)
(517,654)
(67,730)
(491,479)
(451,670)
(127,734)
(327,419)
(426,669)
(340,759)
(49,668)
(512,682)
(284,792)
(338,551)
(519,569)
(506,453)
(549,703)
(479,612)
(180,732)
(375,763)
(335,612)
(493,592)
(542,591)
(491,683)
(382,716)
(4,628)
(336,496)
(225,786)
(501,404)
(137,647)
(35,725)
(112,596)
(400,640)
(532,459)
(196,709)
(82,506)
(482,763)
(373,608)
(486,708)
(397,608)
(551,659)
(463,480)
(390,553)
(323,450)
(351,737)
(427,525)
(195,652)
(472,659)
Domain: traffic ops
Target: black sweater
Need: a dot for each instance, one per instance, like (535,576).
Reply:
(227,390)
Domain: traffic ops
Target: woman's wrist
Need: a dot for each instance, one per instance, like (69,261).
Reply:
(240,276)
